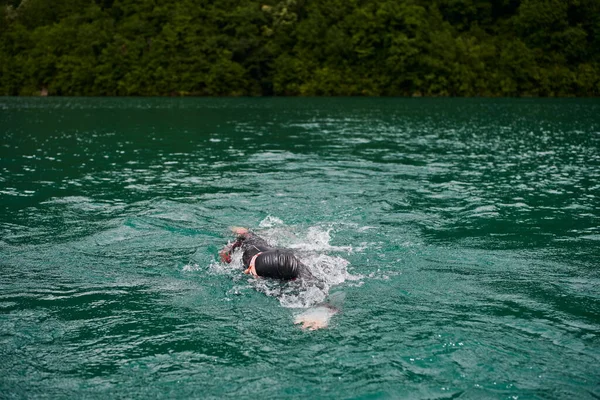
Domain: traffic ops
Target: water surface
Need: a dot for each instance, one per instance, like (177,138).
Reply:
(459,238)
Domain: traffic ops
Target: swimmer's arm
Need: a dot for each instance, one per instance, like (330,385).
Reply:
(225,253)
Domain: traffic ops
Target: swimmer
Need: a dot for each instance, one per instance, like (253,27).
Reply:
(261,260)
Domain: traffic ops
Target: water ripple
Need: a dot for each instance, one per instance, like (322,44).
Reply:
(461,235)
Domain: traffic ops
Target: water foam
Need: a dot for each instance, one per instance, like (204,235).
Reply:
(270,222)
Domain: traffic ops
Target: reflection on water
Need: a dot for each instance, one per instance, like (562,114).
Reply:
(461,233)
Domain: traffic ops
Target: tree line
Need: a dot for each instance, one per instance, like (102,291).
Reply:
(300,47)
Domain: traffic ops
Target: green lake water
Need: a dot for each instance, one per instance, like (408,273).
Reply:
(459,238)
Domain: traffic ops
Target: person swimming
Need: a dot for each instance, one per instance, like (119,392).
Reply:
(262,260)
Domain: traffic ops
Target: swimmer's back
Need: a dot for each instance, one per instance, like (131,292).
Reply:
(278,264)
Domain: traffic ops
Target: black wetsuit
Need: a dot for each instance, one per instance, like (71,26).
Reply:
(271,262)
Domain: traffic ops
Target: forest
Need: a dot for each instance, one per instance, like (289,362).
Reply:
(300,47)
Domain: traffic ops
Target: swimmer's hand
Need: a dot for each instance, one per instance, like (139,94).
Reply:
(225,254)
(251,270)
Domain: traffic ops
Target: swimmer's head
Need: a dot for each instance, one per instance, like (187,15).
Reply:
(238,230)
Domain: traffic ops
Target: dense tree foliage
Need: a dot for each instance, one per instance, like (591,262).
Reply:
(300,47)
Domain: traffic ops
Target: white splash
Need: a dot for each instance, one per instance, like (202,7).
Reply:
(191,267)
(270,222)
(317,239)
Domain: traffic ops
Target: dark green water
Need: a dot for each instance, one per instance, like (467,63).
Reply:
(459,237)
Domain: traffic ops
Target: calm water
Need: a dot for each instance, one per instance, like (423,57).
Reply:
(459,238)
